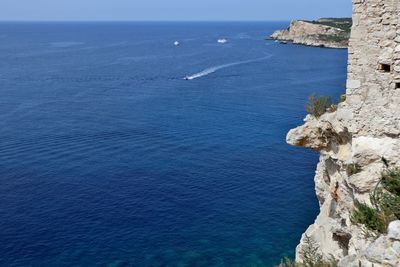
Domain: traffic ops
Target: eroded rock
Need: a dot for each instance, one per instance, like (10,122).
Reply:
(384,251)
(394,230)
(365,131)
(331,33)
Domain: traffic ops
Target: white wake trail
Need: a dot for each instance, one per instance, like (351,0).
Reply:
(216,68)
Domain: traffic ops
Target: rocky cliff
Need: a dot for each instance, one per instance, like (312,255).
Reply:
(331,33)
(363,132)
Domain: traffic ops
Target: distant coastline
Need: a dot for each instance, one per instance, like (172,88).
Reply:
(324,32)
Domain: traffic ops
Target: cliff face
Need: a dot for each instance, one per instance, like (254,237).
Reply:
(331,33)
(365,130)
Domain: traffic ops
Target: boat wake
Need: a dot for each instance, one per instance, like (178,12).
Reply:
(211,70)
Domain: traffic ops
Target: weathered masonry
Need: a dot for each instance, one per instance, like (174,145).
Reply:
(364,131)
(374,63)
(374,44)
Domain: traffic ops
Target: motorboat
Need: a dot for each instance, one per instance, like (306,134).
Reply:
(222,41)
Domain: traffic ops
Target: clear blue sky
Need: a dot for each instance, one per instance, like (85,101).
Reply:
(172,9)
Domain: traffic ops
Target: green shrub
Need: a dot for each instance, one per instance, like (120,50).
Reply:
(389,204)
(342,98)
(310,252)
(332,108)
(341,23)
(371,218)
(352,169)
(387,197)
(334,37)
(391,180)
(311,255)
(318,105)
(287,262)
(386,202)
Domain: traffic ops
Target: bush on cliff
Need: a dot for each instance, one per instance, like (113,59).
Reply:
(389,205)
(342,98)
(386,204)
(352,169)
(311,255)
(391,180)
(310,252)
(371,218)
(318,105)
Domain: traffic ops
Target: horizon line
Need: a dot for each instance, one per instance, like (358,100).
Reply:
(156,21)
(279,20)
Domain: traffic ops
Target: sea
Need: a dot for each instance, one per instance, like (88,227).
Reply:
(119,148)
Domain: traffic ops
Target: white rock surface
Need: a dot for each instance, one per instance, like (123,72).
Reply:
(384,251)
(312,34)
(365,130)
(394,230)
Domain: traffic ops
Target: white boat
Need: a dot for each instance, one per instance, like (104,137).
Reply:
(222,41)
(176,43)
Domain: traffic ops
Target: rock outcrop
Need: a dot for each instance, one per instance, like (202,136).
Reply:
(365,130)
(331,33)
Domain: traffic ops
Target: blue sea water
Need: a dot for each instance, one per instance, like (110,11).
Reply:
(108,157)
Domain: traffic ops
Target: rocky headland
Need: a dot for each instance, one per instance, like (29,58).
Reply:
(325,32)
(359,146)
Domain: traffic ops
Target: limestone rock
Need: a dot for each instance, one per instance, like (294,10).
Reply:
(365,130)
(319,134)
(330,33)
(394,230)
(384,251)
(349,261)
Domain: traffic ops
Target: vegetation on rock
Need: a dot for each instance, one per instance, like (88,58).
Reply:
(324,32)
(336,38)
(370,217)
(352,169)
(311,256)
(391,180)
(386,204)
(341,23)
(317,106)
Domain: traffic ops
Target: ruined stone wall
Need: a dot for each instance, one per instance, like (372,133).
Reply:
(365,130)
(374,43)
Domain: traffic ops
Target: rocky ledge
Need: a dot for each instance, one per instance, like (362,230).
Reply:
(337,190)
(359,146)
(326,32)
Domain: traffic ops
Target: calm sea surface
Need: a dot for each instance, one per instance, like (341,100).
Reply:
(108,157)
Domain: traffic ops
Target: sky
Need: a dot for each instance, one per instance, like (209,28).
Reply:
(171,10)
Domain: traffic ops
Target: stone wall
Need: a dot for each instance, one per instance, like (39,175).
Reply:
(375,40)
(364,130)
